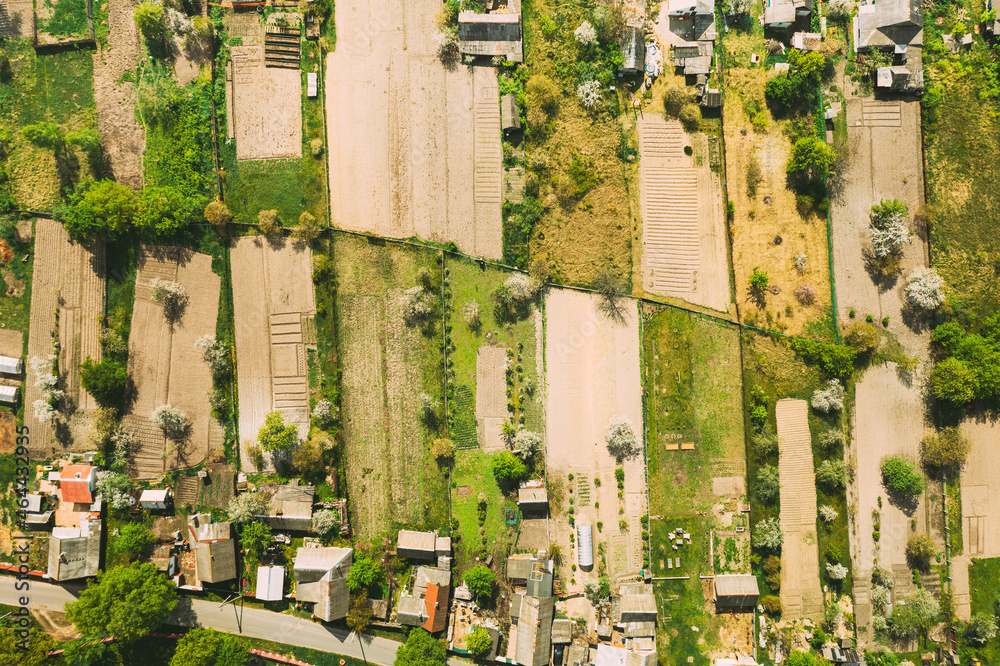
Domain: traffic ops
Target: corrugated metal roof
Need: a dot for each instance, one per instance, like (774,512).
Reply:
(420,541)
(215,561)
(519,568)
(319,559)
(473,27)
(562,631)
(731,585)
(534,631)
(270,583)
(410,610)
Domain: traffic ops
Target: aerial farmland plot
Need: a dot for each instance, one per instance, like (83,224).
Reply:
(389,364)
(166,366)
(274,304)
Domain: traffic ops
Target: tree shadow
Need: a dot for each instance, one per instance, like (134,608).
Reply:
(905,503)
(915,319)
(883,271)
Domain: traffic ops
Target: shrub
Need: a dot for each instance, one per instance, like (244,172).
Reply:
(621,439)
(982,628)
(586,34)
(830,399)
(771,604)
(527,442)
(800,261)
(887,228)
(832,438)
(947,448)
(764,442)
(218,215)
(308,228)
(268,222)
(919,551)
(508,469)
(900,477)
(114,488)
(443,449)
(104,381)
(828,513)
(834,360)
(215,353)
(832,474)
(924,289)
(836,571)
(172,421)
(768,534)
(690,116)
(276,435)
(324,413)
(674,99)
(954,381)
(862,336)
(326,523)
(806,294)
(471,312)
(768,485)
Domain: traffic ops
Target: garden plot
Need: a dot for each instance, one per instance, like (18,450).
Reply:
(68,283)
(274,304)
(683,234)
(165,365)
(266,107)
(876,129)
(491,396)
(888,421)
(414,147)
(592,372)
(801,595)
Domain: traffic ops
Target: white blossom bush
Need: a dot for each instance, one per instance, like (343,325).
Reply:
(43,411)
(768,534)
(48,383)
(166,291)
(982,628)
(800,261)
(243,508)
(586,34)
(324,413)
(832,437)
(471,312)
(113,488)
(215,353)
(829,399)
(879,597)
(836,571)
(418,305)
(589,93)
(924,289)
(740,7)
(177,22)
(828,513)
(326,524)
(171,420)
(887,227)
(621,439)
(879,623)
(123,443)
(527,442)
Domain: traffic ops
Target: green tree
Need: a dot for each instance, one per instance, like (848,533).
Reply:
(953,380)
(308,460)
(104,381)
(276,435)
(832,474)
(218,215)
(308,228)
(25,650)
(480,580)
(208,647)
(359,614)
(901,478)
(945,449)
(100,208)
(758,284)
(163,211)
(947,336)
(478,642)
(913,617)
(254,538)
(127,602)
(508,469)
(919,551)
(149,19)
(421,649)
(44,134)
(365,574)
(132,541)
(768,485)
(268,222)
(982,628)
(811,158)
(862,336)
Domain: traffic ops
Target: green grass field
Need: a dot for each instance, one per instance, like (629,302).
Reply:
(473,475)
(289,186)
(693,393)
(985,593)
(14,310)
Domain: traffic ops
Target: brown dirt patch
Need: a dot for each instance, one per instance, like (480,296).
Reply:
(267,107)
(163,528)
(56,625)
(464,492)
(11,342)
(8,440)
(388,174)
(770,213)
(15,287)
(6,252)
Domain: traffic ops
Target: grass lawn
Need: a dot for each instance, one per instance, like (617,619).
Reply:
(59,89)
(15,310)
(288,186)
(473,475)
(468,283)
(681,603)
(984,593)
(693,392)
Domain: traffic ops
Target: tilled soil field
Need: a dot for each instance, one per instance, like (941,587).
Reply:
(164,363)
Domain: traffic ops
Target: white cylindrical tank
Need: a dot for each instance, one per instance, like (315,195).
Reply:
(584,546)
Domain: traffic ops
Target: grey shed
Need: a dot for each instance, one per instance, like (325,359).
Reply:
(510,115)
(634,50)
(736,592)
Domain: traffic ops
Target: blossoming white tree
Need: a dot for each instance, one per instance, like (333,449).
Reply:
(586,34)
(924,289)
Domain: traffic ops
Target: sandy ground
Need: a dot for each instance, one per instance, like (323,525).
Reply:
(876,129)
(274,304)
(889,422)
(267,107)
(414,147)
(801,595)
(683,234)
(592,367)
(68,277)
(164,363)
(122,136)
(980,506)
(17,19)
(11,343)
(491,396)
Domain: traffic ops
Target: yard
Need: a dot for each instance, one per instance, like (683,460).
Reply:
(15,286)
(391,355)
(985,593)
(473,476)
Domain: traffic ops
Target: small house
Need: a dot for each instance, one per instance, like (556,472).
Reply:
(636,604)
(690,8)
(888,23)
(77,484)
(562,631)
(321,579)
(533,498)
(9,395)
(214,549)
(736,592)
(270,583)
(290,507)
(13,367)
(633,46)
(781,14)
(841,657)
(510,117)
(422,545)
(75,552)
(428,606)
(35,517)
(155,500)
(492,35)
(534,631)
(712,98)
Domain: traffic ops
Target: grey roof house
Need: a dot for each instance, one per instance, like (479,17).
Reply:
(781,14)
(321,579)
(422,545)
(214,549)
(735,592)
(534,631)
(496,34)
(895,26)
(633,45)
(75,552)
(290,507)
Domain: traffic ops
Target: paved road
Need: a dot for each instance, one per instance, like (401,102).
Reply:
(276,627)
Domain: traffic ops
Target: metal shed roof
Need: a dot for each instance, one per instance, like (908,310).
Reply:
(736,585)
(473,27)
(8,394)
(11,366)
(270,583)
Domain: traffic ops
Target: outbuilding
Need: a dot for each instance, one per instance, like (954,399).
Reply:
(155,499)
(510,117)
(11,366)
(77,483)
(585,546)
(270,583)
(736,592)
(9,394)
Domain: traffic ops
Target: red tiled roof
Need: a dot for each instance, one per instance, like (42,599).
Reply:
(437,618)
(75,488)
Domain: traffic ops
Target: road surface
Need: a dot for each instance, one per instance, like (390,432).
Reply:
(256,623)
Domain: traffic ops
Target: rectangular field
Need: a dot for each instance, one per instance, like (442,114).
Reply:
(274,304)
(68,284)
(267,107)
(387,364)
(593,374)
(414,146)
(164,363)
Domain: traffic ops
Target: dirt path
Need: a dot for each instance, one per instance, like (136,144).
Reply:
(801,595)
(592,367)
(414,147)
(122,136)
(889,422)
